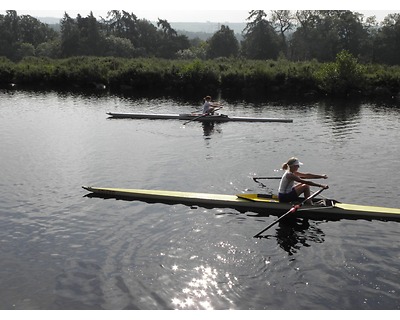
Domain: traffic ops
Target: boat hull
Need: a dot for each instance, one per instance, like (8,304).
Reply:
(193,117)
(262,204)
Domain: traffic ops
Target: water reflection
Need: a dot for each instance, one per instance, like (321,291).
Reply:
(342,110)
(209,129)
(292,234)
(343,117)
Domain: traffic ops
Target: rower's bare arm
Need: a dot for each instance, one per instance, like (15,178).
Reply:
(312,176)
(310,183)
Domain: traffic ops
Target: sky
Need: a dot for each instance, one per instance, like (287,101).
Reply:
(190,11)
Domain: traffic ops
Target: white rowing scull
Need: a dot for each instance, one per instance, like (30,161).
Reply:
(193,117)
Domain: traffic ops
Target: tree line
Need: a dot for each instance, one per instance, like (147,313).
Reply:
(301,35)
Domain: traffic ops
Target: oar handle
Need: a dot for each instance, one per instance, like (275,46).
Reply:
(203,115)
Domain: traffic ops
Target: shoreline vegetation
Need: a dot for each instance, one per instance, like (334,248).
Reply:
(236,78)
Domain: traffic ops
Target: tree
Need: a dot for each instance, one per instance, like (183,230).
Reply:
(260,40)
(342,77)
(169,42)
(223,44)
(24,50)
(123,25)
(147,37)
(142,33)
(90,37)
(166,28)
(387,42)
(323,34)
(118,47)
(69,37)
(50,49)
(20,35)
(284,20)
(32,31)
(8,33)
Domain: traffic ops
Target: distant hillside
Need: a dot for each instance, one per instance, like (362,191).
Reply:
(205,30)
(49,20)
(201,30)
(207,27)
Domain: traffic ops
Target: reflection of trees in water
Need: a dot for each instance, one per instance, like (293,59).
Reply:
(342,116)
(292,234)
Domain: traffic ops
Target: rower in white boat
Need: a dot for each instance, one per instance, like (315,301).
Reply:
(209,107)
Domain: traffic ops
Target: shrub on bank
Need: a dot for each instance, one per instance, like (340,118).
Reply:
(237,77)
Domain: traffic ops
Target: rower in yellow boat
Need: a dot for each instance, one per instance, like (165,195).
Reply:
(288,191)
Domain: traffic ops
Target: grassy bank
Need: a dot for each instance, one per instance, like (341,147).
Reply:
(241,78)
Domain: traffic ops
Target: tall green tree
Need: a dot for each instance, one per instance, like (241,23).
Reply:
(387,41)
(8,33)
(20,35)
(260,40)
(284,21)
(147,37)
(142,33)
(32,31)
(122,24)
(70,37)
(223,43)
(169,42)
(90,38)
(322,34)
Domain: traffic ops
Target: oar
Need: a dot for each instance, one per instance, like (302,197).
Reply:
(292,210)
(203,115)
(255,179)
(262,178)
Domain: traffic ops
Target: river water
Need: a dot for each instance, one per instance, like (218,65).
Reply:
(63,250)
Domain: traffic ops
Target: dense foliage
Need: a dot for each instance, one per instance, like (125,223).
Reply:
(235,77)
(301,35)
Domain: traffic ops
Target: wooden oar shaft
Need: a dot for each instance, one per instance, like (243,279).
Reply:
(292,210)
(261,178)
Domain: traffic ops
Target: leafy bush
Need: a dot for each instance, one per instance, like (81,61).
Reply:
(342,77)
(239,77)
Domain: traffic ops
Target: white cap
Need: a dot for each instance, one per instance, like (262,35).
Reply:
(297,163)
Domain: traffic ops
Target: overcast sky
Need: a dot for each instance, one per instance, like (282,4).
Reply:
(188,11)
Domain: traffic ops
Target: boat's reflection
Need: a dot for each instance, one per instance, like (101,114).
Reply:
(295,233)
(209,129)
(291,233)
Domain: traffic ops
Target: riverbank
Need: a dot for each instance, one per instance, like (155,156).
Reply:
(235,77)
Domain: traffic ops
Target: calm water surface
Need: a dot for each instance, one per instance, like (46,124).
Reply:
(62,250)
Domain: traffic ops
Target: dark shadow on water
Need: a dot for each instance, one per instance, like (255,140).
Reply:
(209,128)
(294,233)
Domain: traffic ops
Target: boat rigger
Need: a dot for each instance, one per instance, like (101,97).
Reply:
(325,209)
(193,117)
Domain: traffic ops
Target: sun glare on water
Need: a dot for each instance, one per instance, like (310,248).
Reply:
(202,290)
